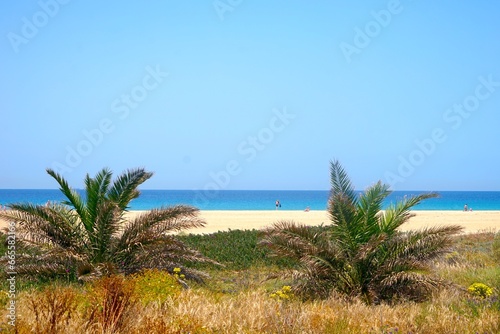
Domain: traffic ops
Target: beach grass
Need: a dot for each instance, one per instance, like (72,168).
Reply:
(246,296)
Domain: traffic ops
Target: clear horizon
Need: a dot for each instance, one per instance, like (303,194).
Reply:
(251,95)
(357,190)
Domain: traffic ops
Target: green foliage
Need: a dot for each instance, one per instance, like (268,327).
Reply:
(4,298)
(496,247)
(91,237)
(362,253)
(3,243)
(480,290)
(477,248)
(472,260)
(235,249)
(153,285)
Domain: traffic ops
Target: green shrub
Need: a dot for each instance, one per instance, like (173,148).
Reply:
(235,249)
(3,243)
(155,285)
(496,247)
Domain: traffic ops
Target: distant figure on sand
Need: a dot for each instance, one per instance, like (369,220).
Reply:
(278,204)
(466,208)
(307,209)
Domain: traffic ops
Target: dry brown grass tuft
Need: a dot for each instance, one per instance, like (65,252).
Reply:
(48,311)
(111,305)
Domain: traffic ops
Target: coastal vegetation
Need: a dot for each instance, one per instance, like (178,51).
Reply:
(91,237)
(359,274)
(362,253)
(238,298)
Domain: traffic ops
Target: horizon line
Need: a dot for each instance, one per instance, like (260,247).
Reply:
(202,190)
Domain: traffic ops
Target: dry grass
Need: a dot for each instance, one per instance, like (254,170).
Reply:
(200,311)
(111,307)
(117,305)
(52,310)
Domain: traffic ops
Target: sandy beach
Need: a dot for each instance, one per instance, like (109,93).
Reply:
(225,220)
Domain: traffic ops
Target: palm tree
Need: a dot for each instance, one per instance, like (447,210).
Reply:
(362,253)
(92,236)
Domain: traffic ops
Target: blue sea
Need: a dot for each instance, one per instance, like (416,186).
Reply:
(262,199)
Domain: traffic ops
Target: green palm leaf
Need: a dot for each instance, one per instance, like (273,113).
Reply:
(96,189)
(369,208)
(124,189)
(399,213)
(73,198)
(340,182)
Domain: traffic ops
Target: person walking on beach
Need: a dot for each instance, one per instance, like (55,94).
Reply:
(466,208)
(278,204)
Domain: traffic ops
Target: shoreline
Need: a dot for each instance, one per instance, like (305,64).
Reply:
(224,220)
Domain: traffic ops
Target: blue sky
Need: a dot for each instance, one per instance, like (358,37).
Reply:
(230,94)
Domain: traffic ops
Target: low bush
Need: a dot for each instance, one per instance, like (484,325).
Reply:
(153,285)
(235,249)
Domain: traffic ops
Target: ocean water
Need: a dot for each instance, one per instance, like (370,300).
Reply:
(261,200)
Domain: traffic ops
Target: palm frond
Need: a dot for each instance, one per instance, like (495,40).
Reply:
(343,215)
(35,259)
(342,206)
(407,285)
(55,224)
(163,220)
(151,226)
(73,198)
(29,266)
(340,182)
(124,188)
(106,224)
(96,189)
(167,253)
(371,248)
(425,244)
(369,207)
(399,213)
(287,238)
